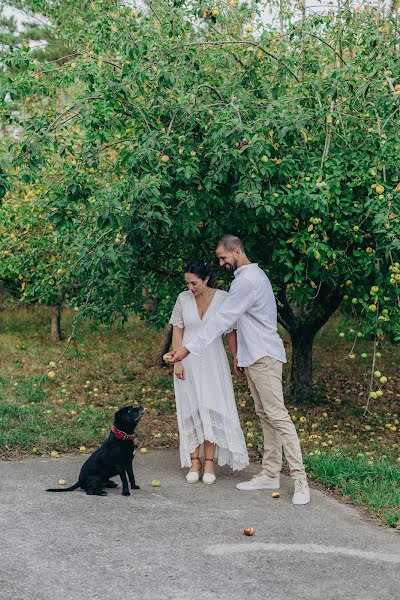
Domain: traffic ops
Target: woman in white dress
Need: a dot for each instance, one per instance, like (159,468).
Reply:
(205,404)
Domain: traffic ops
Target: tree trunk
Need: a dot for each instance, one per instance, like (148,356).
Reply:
(56,321)
(166,344)
(301,390)
(303,323)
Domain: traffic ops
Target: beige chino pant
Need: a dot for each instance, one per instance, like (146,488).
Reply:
(265,382)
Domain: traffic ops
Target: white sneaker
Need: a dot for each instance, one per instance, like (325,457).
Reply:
(259,482)
(301,492)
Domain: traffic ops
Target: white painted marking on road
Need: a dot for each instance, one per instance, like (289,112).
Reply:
(227,549)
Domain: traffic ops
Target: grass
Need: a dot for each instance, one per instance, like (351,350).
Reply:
(373,485)
(355,454)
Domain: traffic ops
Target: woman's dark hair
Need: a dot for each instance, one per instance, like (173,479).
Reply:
(199,267)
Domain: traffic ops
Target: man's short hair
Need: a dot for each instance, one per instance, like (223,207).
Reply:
(230,242)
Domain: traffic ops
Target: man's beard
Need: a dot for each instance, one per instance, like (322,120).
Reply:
(233,266)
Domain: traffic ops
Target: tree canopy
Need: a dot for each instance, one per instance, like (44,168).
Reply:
(162,128)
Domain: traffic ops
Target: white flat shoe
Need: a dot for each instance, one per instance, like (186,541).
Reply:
(209,478)
(193,477)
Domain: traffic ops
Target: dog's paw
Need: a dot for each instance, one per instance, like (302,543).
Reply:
(135,487)
(110,484)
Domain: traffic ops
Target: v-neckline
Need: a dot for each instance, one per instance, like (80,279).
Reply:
(208,307)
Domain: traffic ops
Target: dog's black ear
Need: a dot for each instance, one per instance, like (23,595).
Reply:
(118,418)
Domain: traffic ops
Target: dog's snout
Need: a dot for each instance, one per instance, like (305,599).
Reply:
(136,411)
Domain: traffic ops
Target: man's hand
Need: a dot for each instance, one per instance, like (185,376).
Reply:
(238,370)
(179,371)
(178,355)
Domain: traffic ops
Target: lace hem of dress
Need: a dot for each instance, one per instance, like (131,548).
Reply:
(207,424)
(176,323)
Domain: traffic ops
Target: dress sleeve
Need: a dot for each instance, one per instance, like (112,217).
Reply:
(177,314)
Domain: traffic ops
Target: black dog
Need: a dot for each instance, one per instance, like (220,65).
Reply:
(113,458)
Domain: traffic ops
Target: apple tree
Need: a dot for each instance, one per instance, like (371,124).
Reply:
(203,120)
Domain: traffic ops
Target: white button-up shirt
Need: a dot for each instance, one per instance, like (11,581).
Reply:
(251,304)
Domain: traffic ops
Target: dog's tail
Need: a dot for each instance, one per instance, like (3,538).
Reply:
(69,489)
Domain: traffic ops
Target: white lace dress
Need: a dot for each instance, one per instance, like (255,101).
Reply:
(205,402)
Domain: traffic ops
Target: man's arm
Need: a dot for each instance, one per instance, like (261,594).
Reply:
(237,302)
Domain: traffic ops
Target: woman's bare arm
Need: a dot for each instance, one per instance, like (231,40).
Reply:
(232,342)
(177,336)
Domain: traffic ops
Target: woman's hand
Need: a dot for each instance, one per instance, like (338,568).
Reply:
(179,370)
(178,355)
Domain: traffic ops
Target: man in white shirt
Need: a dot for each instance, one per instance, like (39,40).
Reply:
(251,304)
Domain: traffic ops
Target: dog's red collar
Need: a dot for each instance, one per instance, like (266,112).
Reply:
(121,435)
